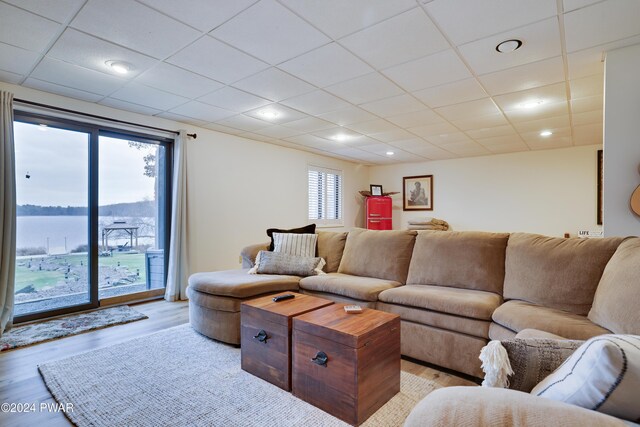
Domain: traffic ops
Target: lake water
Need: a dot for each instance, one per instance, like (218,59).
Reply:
(65,233)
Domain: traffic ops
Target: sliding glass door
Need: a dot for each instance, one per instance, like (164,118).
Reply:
(92,216)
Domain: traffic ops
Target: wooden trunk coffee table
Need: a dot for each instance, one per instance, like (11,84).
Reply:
(265,335)
(346,364)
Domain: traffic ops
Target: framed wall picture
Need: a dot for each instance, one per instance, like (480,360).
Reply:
(417,193)
(376,190)
(600,187)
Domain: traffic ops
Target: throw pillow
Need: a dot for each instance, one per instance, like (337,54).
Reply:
(307,229)
(282,263)
(602,375)
(295,244)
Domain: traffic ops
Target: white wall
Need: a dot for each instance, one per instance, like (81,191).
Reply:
(621,140)
(237,188)
(548,192)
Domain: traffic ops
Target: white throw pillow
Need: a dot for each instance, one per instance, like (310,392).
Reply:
(602,375)
(295,244)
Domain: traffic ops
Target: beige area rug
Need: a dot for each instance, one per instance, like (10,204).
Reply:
(178,377)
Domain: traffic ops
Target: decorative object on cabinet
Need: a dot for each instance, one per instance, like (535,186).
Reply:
(376,190)
(427,224)
(417,193)
(600,187)
(379,213)
(367,193)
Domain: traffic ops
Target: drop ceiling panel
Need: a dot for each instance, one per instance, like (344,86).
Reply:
(148,96)
(556,122)
(540,41)
(316,102)
(274,84)
(415,118)
(591,61)
(492,132)
(499,141)
(412,144)
(426,131)
(466,110)
(9,77)
(326,66)
(182,119)
(338,18)
(587,86)
(61,90)
(243,122)
(570,5)
(223,129)
(403,38)
(201,111)
(128,106)
(583,105)
(233,99)
(451,93)
(373,126)
(16,60)
(269,31)
(178,81)
(588,134)
(309,124)
(277,131)
(346,116)
(480,122)
(284,114)
(26,30)
(587,118)
(524,77)
(519,100)
(392,135)
(464,21)
(393,106)
(359,90)
(216,60)
(545,111)
(58,10)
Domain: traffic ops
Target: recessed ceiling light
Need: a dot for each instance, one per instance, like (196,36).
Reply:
(390,153)
(531,104)
(546,133)
(42,127)
(340,137)
(119,67)
(509,46)
(268,114)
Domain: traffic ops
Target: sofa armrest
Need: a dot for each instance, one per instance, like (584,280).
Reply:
(481,406)
(249,253)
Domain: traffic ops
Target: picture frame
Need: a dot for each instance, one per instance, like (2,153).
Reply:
(376,190)
(600,212)
(417,193)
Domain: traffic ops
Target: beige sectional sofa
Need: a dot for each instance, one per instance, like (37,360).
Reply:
(454,291)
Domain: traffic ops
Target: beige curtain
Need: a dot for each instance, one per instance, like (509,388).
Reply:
(178,272)
(7,211)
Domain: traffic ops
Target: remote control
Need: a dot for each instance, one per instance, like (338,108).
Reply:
(283,297)
(352,309)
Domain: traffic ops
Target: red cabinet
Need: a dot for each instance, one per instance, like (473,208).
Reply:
(379,213)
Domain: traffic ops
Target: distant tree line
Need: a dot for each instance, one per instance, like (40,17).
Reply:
(144,208)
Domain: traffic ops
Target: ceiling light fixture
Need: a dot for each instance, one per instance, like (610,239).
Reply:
(42,127)
(120,67)
(546,133)
(531,104)
(340,137)
(508,46)
(268,114)
(390,153)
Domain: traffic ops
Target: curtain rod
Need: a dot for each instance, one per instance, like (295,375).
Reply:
(95,116)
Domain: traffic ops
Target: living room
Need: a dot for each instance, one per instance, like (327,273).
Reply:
(155,142)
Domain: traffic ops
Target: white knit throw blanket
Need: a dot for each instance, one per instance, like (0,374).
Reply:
(495,365)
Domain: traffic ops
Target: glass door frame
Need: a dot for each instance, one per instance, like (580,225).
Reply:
(95,131)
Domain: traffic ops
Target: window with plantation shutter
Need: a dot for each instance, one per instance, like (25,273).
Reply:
(325,196)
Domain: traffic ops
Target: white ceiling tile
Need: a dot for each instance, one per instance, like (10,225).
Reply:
(90,52)
(499,140)
(233,99)
(378,148)
(148,96)
(12,78)
(601,23)
(347,116)
(588,134)
(466,110)
(508,148)
(316,142)
(435,153)
(591,61)
(464,21)
(524,77)
(26,30)
(274,85)
(338,18)
(285,114)
(65,74)
(269,31)
(61,90)
(205,15)
(277,131)
(133,25)
(491,132)
(540,41)
(316,102)
(535,137)
(587,86)
(451,93)
(412,144)
(550,123)
(370,87)
(569,5)
(309,124)
(587,118)
(467,149)
(221,128)
(392,135)
(128,106)
(176,80)
(181,118)
(257,137)
(16,60)
(480,122)
(58,10)
(373,126)
(415,118)
(201,111)
(327,65)
(214,59)
(393,106)
(544,111)
(446,139)
(426,131)
(583,105)
(546,94)
(433,70)
(243,122)
(350,137)
(404,37)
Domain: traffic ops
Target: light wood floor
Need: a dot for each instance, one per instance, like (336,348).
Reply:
(20,381)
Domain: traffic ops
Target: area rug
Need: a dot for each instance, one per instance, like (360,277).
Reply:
(178,377)
(35,333)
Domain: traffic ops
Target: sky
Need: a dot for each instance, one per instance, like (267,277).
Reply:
(57,162)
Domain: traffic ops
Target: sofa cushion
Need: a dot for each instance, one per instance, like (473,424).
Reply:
(357,287)
(474,327)
(500,333)
(380,254)
(556,272)
(461,302)
(239,284)
(530,333)
(330,247)
(464,259)
(615,305)
(307,229)
(519,315)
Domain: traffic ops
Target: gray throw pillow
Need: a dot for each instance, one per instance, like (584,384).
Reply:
(282,263)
